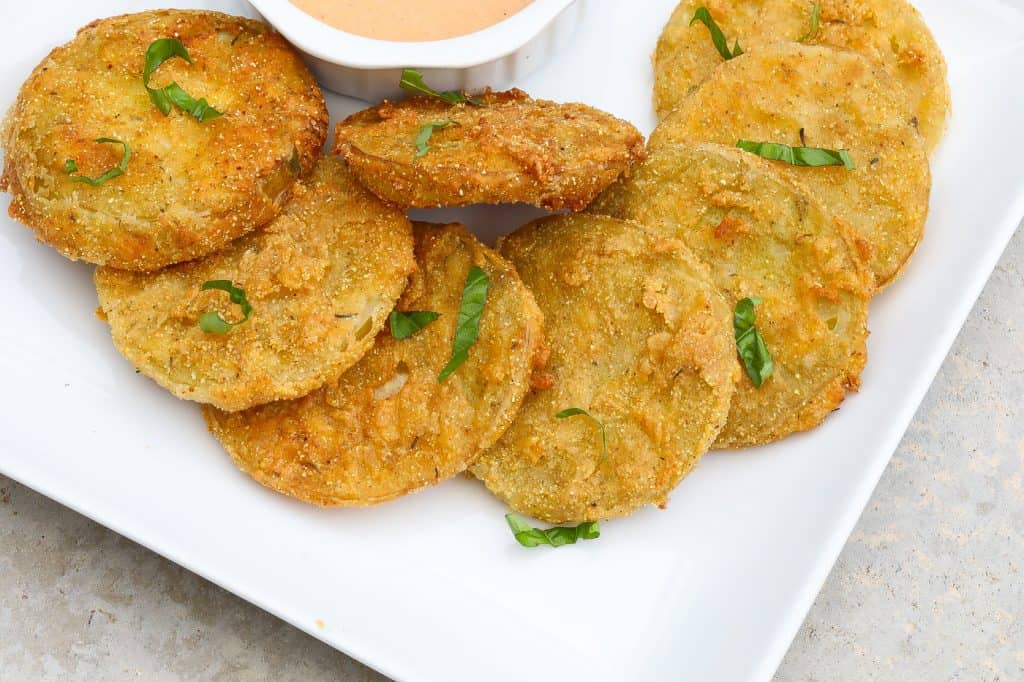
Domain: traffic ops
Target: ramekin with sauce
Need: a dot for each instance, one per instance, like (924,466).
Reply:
(507,40)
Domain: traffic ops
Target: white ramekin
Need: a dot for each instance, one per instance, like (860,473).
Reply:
(370,69)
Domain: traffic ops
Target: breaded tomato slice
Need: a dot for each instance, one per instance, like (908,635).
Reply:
(189,187)
(641,340)
(321,280)
(390,425)
(511,148)
(889,32)
(763,238)
(825,98)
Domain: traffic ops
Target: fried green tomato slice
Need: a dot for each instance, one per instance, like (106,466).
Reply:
(763,238)
(889,32)
(642,340)
(822,97)
(388,426)
(189,188)
(510,149)
(321,280)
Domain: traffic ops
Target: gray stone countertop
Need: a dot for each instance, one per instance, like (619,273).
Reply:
(929,587)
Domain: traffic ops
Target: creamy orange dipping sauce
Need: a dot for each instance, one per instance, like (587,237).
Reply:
(411,20)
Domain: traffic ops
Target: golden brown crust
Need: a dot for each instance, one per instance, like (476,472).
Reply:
(190,188)
(763,237)
(774,93)
(387,427)
(642,339)
(511,149)
(321,278)
(889,32)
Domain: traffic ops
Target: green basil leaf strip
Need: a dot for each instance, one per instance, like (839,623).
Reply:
(528,536)
(717,37)
(815,24)
(211,322)
(159,52)
(412,81)
(467,329)
(426,132)
(199,110)
(750,344)
(71,166)
(575,412)
(404,325)
(798,156)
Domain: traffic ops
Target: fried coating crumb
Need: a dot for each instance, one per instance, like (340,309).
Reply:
(387,427)
(642,339)
(511,149)
(189,188)
(321,278)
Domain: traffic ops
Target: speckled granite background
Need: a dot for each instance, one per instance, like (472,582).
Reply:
(929,587)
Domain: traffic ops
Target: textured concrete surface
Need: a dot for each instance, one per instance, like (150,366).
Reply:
(930,586)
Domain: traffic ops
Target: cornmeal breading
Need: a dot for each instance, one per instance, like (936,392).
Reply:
(321,279)
(189,187)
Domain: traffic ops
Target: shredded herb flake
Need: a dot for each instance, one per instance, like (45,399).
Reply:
(426,132)
(158,52)
(528,536)
(211,322)
(404,325)
(412,81)
(815,24)
(717,37)
(575,412)
(71,166)
(750,344)
(798,156)
(467,329)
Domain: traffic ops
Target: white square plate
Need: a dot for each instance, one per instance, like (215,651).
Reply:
(433,587)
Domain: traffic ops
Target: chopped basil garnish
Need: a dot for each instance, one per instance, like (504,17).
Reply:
(211,322)
(575,412)
(71,166)
(717,37)
(798,156)
(815,24)
(467,329)
(528,536)
(426,131)
(412,81)
(752,349)
(158,52)
(404,325)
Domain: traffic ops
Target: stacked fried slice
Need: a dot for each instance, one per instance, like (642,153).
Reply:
(891,33)
(824,98)
(764,238)
(321,280)
(388,426)
(709,290)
